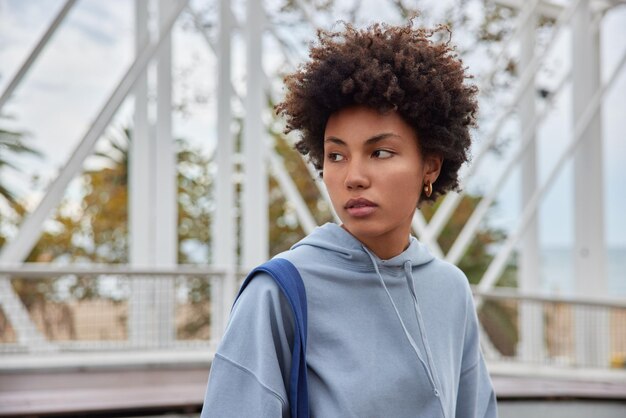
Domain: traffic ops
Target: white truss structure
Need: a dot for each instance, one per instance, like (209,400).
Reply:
(152,202)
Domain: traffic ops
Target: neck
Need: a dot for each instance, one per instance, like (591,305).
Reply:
(383,248)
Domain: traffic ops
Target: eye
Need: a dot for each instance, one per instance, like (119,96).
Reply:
(382,154)
(334,156)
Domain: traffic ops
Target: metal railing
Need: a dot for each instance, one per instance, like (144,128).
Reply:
(94,307)
(554,330)
(90,308)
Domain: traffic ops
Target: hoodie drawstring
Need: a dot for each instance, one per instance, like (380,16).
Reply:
(428,367)
(420,321)
(406,332)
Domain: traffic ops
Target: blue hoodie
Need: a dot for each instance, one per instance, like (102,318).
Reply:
(386,338)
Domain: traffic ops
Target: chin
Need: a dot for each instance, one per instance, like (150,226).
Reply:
(363,229)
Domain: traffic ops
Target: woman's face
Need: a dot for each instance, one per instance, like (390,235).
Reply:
(374,173)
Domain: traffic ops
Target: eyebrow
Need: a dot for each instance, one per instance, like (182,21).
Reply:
(370,141)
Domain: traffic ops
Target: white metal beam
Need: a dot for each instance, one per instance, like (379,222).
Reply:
(589,247)
(291,192)
(464,238)
(30,230)
(314,175)
(499,262)
(588,179)
(223,234)
(140,197)
(304,215)
(551,9)
(34,54)
(255,212)
(166,191)
(420,227)
(451,201)
(531,330)
(26,331)
(31,227)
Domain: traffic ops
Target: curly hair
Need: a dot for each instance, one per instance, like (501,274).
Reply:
(386,68)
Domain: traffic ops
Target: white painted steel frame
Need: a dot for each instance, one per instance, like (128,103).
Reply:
(44,270)
(140,186)
(224,291)
(153,203)
(31,227)
(589,244)
(287,185)
(255,248)
(499,262)
(278,170)
(531,330)
(26,331)
(471,225)
(451,201)
(280,174)
(223,235)
(166,189)
(254,106)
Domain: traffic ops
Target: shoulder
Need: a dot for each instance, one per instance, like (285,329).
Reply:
(448,273)
(303,256)
(259,295)
(260,312)
(446,278)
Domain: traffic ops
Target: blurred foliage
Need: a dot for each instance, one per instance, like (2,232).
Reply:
(12,144)
(97,230)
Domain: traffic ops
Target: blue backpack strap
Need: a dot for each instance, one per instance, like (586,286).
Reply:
(288,279)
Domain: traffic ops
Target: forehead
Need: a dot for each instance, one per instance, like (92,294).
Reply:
(362,123)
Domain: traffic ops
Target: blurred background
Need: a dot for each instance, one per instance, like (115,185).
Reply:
(143,172)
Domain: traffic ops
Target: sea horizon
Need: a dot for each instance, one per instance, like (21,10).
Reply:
(557,271)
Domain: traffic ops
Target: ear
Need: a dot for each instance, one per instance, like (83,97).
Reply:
(432,166)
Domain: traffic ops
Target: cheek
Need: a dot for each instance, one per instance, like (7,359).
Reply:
(330,180)
(405,188)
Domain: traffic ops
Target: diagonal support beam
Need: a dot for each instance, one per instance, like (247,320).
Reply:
(34,54)
(420,227)
(30,231)
(471,226)
(451,201)
(289,188)
(31,228)
(498,264)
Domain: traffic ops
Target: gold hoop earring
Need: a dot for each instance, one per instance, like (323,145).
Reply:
(428,189)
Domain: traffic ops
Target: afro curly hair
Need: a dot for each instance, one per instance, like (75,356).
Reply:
(387,68)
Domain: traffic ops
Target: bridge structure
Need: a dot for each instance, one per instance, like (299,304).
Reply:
(133,349)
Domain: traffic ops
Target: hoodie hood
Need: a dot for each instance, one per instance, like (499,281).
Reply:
(346,247)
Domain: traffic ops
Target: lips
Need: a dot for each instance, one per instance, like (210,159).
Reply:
(360,207)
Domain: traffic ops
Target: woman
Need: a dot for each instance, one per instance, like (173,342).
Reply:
(384,113)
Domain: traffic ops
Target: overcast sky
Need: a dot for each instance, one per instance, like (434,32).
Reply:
(69,83)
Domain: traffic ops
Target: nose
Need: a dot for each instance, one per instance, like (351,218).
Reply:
(356,175)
